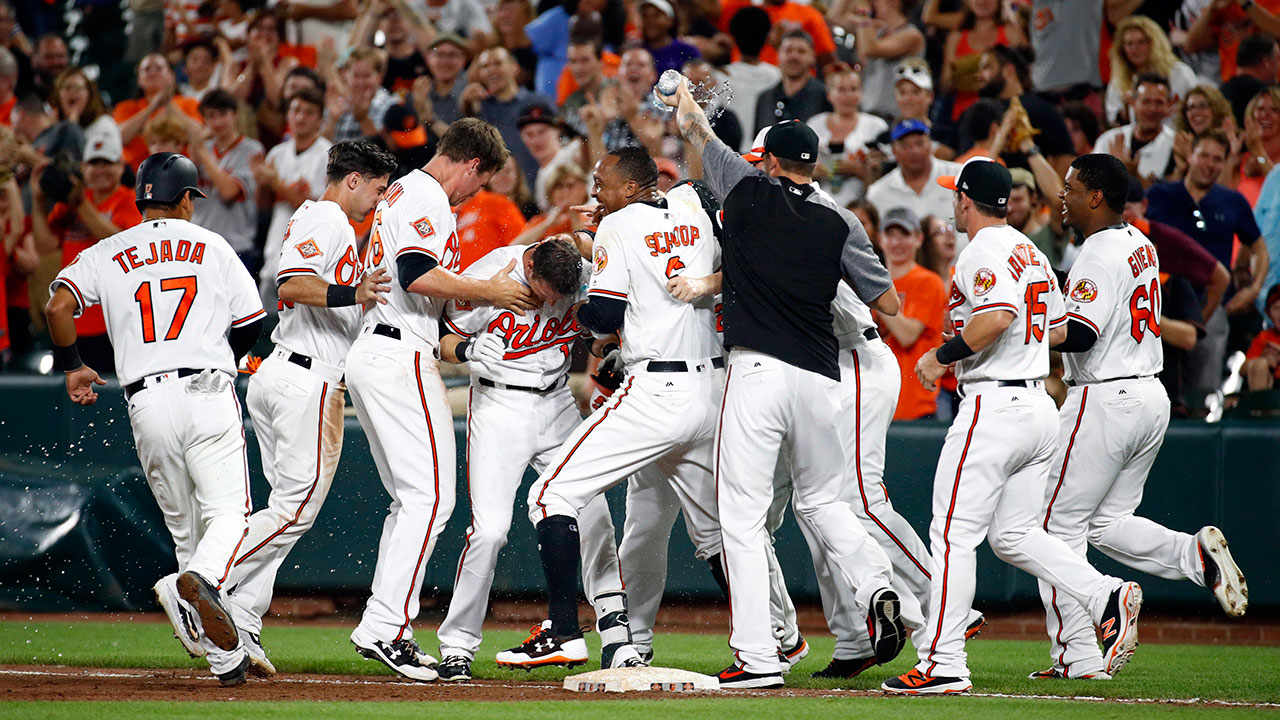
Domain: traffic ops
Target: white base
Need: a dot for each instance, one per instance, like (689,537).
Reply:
(641,680)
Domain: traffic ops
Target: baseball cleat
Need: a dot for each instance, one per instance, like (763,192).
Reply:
(235,676)
(735,677)
(1221,574)
(634,662)
(789,656)
(846,669)
(1119,627)
(884,623)
(213,616)
(181,616)
(402,656)
(646,655)
(542,648)
(1054,673)
(975,627)
(455,668)
(259,665)
(917,683)
(423,658)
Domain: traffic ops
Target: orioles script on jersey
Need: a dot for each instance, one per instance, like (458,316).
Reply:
(528,338)
(162,251)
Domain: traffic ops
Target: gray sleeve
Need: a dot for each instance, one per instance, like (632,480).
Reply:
(862,269)
(723,168)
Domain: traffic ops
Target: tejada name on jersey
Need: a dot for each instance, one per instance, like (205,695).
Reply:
(162,251)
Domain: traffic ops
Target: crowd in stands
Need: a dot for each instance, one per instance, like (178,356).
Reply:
(899,92)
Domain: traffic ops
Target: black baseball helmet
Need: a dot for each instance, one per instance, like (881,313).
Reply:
(163,177)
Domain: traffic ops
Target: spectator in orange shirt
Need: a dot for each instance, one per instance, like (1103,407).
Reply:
(1262,361)
(485,222)
(95,207)
(159,94)
(787,16)
(924,300)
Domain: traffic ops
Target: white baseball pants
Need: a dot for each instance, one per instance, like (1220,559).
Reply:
(666,420)
(508,430)
(990,483)
(767,402)
(297,416)
(400,400)
(1108,437)
(190,440)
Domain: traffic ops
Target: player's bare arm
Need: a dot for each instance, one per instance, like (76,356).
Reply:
(688,289)
(693,122)
(311,290)
(978,334)
(501,290)
(62,328)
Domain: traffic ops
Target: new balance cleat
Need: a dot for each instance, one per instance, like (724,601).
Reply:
(789,656)
(1054,673)
(975,628)
(1119,627)
(917,683)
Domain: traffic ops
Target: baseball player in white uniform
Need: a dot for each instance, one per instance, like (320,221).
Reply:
(519,412)
(665,414)
(296,396)
(1112,424)
(171,291)
(395,383)
(1007,310)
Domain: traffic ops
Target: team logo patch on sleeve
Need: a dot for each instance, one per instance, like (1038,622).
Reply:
(601,260)
(309,249)
(983,281)
(424,227)
(1084,291)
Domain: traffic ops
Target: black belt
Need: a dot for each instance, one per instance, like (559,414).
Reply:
(301,360)
(1073,383)
(871,334)
(136,385)
(669,366)
(387,331)
(1001,383)
(508,386)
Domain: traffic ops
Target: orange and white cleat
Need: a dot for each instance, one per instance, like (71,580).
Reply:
(917,683)
(1119,627)
(542,649)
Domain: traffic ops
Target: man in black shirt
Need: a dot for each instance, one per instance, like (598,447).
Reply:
(785,248)
(800,95)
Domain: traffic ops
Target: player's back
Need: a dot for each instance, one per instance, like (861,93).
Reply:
(1115,290)
(648,244)
(1001,269)
(170,290)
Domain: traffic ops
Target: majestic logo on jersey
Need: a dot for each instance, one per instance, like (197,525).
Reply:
(462,305)
(1084,291)
(601,260)
(983,281)
(424,227)
(309,249)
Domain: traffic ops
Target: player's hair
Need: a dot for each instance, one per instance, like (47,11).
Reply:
(558,262)
(750,29)
(1148,78)
(796,167)
(311,96)
(1105,173)
(470,139)
(218,99)
(635,164)
(358,156)
(1018,59)
(995,211)
(1254,49)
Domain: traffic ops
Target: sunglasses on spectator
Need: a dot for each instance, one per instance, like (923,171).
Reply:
(1199,216)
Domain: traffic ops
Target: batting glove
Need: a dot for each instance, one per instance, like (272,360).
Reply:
(486,347)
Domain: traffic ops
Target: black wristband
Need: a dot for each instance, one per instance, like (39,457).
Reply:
(954,349)
(608,348)
(462,349)
(340,296)
(68,357)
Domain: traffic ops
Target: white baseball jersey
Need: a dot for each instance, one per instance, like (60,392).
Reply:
(849,317)
(319,242)
(292,166)
(413,217)
(538,342)
(169,290)
(1001,269)
(638,249)
(1114,288)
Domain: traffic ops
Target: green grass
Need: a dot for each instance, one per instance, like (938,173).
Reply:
(1228,673)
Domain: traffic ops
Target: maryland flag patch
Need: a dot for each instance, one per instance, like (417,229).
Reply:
(983,281)
(424,227)
(309,249)
(601,260)
(1084,291)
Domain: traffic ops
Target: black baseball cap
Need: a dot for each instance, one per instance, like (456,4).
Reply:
(792,141)
(537,112)
(983,180)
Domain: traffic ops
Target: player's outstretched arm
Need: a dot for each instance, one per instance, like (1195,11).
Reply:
(501,290)
(62,328)
(313,291)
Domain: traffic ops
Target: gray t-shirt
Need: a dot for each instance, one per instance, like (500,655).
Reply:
(236,221)
(1066,36)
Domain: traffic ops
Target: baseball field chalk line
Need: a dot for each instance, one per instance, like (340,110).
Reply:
(517,686)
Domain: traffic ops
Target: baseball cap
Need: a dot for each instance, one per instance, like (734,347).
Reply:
(448,39)
(756,153)
(983,180)
(401,121)
(792,140)
(1023,176)
(914,71)
(103,144)
(903,217)
(537,112)
(903,128)
(662,5)
(1273,296)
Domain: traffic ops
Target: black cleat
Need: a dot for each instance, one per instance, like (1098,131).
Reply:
(846,669)
(884,622)
(455,668)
